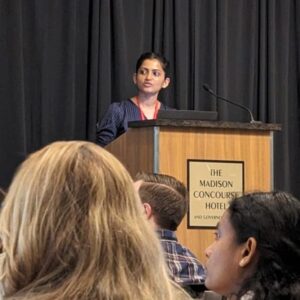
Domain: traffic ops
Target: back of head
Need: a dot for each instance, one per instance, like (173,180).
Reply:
(72,228)
(167,197)
(273,219)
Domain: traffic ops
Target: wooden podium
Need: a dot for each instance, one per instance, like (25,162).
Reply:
(164,146)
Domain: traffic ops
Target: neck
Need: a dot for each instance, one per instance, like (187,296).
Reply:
(147,100)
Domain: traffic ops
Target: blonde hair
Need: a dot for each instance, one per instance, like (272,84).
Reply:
(72,228)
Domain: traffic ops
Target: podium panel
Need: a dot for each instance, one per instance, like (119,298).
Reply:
(164,146)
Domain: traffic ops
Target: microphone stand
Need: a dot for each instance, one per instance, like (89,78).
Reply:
(209,90)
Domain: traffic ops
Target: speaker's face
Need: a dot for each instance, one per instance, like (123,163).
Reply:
(151,77)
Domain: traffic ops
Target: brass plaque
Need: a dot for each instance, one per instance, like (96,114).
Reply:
(211,184)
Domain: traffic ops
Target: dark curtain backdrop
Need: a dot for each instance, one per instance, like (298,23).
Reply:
(63,62)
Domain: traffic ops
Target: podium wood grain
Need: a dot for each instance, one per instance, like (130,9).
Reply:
(166,149)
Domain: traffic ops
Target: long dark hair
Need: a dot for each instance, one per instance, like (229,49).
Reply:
(273,219)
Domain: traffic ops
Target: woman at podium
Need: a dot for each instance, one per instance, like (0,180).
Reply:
(150,77)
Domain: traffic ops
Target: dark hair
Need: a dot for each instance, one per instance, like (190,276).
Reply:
(167,197)
(273,219)
(152,55)
(2,196)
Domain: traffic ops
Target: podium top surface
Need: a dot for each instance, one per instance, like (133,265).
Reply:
(206,124)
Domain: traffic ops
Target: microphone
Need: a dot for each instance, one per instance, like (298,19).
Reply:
(209,90)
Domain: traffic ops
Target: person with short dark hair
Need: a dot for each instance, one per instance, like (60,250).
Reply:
(165,203)
(256,253)
(151,75)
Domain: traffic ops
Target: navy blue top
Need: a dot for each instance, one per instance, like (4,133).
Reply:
(115,120)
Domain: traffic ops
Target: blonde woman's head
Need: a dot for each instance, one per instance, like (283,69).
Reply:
(72,228)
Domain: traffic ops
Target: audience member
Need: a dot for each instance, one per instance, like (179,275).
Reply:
(150,77)
(165,203)
(72,227)
(256,253)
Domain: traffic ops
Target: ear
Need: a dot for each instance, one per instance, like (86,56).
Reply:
(134,78)
(166,82)
(248,252)
(148,210)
